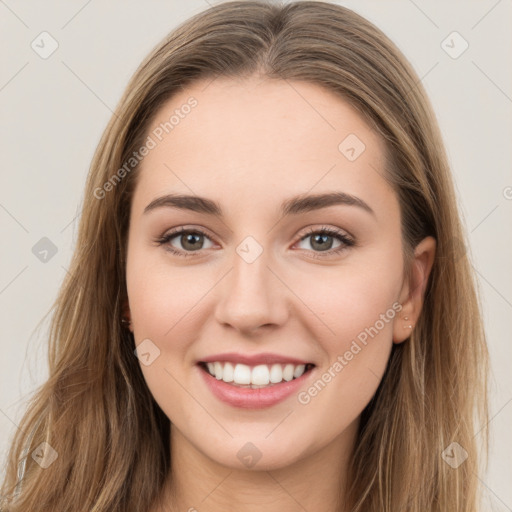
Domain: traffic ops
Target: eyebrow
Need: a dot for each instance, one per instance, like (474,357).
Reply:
(292,206)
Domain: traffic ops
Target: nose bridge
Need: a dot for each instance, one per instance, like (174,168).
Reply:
(251,295)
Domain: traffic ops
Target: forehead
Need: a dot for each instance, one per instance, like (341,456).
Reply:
(257,138)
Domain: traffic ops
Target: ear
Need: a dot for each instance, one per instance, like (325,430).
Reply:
(126,313)
(413,291)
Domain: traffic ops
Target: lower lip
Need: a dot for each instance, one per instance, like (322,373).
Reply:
(249,398)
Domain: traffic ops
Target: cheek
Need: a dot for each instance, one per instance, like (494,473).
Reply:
(162,298)
(358,307)
(163,301)
(363,306)
(349,301)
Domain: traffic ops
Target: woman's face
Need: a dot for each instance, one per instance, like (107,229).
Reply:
(255,285)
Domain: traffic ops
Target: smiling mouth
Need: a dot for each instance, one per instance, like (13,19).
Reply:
(258,376)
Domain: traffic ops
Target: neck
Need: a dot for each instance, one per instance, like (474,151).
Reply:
(314,482)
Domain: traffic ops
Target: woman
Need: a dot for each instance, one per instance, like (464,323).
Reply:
(270,305)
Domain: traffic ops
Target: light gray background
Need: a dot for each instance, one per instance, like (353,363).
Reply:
(54,110)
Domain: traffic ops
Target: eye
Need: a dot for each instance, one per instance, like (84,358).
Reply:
(191,240)
(322,241)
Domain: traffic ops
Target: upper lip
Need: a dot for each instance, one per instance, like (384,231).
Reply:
(253,359)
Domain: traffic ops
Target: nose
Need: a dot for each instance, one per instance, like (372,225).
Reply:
(252,297)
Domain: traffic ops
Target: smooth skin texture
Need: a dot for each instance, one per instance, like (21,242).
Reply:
(249,145)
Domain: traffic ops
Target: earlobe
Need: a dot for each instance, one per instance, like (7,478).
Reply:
(413,292)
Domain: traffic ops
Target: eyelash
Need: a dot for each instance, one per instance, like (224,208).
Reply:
(344,239)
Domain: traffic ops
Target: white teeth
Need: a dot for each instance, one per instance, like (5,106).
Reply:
(257,376)
(288,372)
(260,375)
(299,370)
(276,373)
(242,374)
(228,373)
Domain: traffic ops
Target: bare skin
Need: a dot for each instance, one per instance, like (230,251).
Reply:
(250,145)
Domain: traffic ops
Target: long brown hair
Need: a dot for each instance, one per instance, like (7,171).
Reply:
(95,410)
